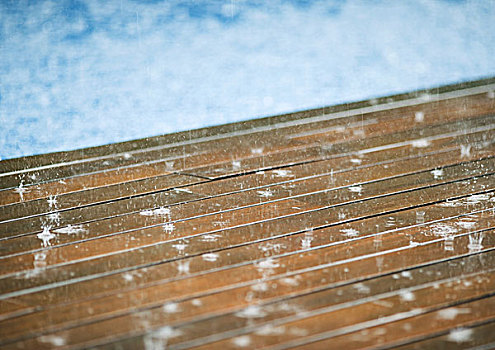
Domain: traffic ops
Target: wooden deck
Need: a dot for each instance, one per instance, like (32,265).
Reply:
(365,225)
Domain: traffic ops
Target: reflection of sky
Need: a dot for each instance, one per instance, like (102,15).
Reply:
(82,73)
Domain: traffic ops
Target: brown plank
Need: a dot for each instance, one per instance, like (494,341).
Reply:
(405,303)
(363,226)
(473,105)
(297,262)
(431,167)
(418,136)
(161,252)
(178,232)
(454,321)
(111,150)
(481,144)
(102,195)
(474,336)
(338,274)
(244,254)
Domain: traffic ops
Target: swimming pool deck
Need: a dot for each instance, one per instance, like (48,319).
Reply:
(363,225)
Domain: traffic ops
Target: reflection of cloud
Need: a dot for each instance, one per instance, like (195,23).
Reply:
(82,73)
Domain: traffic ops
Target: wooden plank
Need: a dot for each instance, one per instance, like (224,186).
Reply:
(245,254)
(414,137)
(112,150)
(403,304)
(179,155)
(481,144)
(170,239)
(331,276)
(272,195)
(480,336)
(452,320)
(361,226)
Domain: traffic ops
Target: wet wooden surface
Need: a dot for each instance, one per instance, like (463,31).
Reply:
(367,225)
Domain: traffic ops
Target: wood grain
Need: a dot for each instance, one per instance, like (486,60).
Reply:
(367,225)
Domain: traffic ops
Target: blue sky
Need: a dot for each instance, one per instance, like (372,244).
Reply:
(83,73)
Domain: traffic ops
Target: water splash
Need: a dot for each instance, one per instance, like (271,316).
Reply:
(282,173)
(460,335)
(21,190)
(210,238)
(265,193)
(54,218)
(45,236)
(184,190)
(260,287)
(390,222)
(252,311)
(356,189)
(242,341)
(465,151)
(159,338)
(446,232)
(183,267)
(267,264)
(270,330)
(211,257)
(197,302)
(407,295)
(171,308)
(271,247)
(156,212)
(350,232)
(53,340)
(475,240)
(420,217)
(236,165)
(52,202)
(290,281)
(39,262)
(71,230)
(168,227)
(128,277)
(437,173)
(451,313)
(181,247)
(306,240)
(421,143)
(419,117)
(361,288)
(471,200)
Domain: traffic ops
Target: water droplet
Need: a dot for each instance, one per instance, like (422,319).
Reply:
(465,151)
(171,308)
(168,228)
(242,341)
(46,236)
(350,232)
(265,193)
(460,335)
(437,173)
(252,311)
(421,143)
(21,190)
(407,296)
(210,257)
(420,217)
(356,189)
(419,117)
